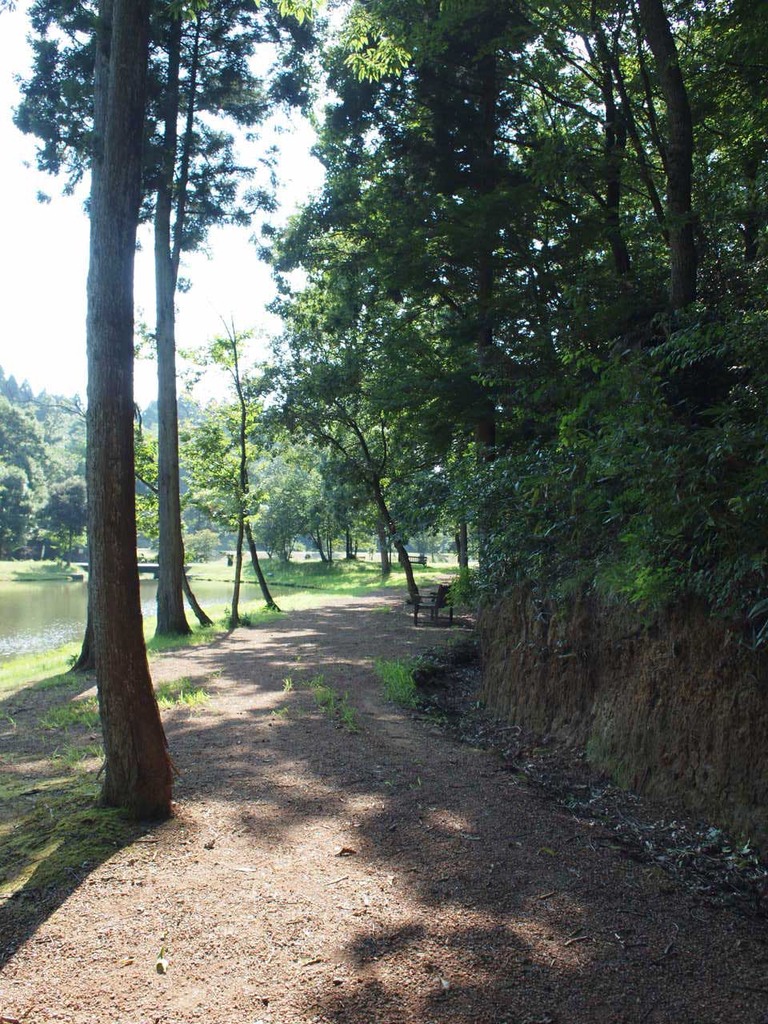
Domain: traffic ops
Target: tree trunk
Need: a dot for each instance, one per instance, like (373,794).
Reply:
(86,659)
(462,546)
(386,564)
(615,141)
(679,166)
(234,617)
(138,771)
(393,534)
(485,426)
(268,599)
(643,163)
(171,620)
(200,614)
(349,552)
(754,216)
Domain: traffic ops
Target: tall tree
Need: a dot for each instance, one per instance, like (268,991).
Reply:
(206,74)
(679,153)
(200,77)
(218,454)
(137,772)
(226,351)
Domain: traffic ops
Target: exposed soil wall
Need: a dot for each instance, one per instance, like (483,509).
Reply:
(673,708)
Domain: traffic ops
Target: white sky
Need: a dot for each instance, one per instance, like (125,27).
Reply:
(44,256)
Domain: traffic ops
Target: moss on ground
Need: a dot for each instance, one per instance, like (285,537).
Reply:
(53,832)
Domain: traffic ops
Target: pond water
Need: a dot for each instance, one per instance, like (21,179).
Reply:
(37,617)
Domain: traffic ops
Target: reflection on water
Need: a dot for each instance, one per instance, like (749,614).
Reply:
(37,617)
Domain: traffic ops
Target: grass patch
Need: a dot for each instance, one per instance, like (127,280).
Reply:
(199,635)
(254,614)
(336,705)
(75,756)
(398,682)
(352,578)
(181,693)
(75,714)
(48,669)
(30,571)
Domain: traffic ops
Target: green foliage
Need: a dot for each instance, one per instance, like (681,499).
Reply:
(509,287)
(22,473)
(654,485)
(209,454)
(201,546)
(65,513)
(42,465)
(18,504)
(373,52)
(465,588)
(288,491)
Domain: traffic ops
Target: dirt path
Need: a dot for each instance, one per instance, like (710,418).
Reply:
(314,874)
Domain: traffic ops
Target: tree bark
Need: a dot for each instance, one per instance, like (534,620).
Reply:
(485,427)
(679,164)
(318,541)
(234,617)
(393,534)
(268,599)
(462,549)
(386,565)
(350,552)
(194,604)
(138,771)
(171,620)
(86,659)
(615,140)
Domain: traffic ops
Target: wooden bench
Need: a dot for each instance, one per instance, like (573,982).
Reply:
(433,601)
(421,559)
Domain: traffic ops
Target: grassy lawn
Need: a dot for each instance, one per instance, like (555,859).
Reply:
(35,572)
(341,578)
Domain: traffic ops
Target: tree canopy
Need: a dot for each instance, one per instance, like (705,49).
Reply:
(538,266)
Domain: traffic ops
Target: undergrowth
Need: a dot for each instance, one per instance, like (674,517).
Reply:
(398,682)
(336,705)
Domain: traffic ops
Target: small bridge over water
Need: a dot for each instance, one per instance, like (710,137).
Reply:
(143,567)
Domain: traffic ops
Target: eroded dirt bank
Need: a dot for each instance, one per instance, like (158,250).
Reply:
(673,708)
(388,874)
